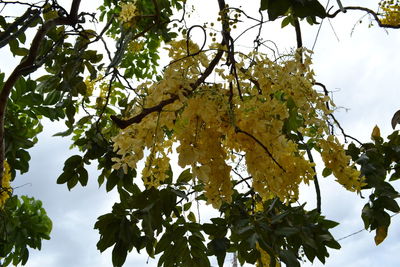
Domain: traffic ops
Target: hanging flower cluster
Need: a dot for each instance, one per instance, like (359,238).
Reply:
(335,158)
(267,117)
(391,12)
(128,12)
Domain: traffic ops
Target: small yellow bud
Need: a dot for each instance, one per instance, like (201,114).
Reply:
(376,132)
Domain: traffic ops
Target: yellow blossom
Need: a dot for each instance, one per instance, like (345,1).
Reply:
(391,12)
(5,189)
(203,124)
(128,12)
(376,132)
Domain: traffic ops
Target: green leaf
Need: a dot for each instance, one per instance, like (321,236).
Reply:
(326,172)
(286,21)
(63,178)
(191,217)
(185,176)
(112,180)
(286,231)
(218,247)
(119,254)
(52,98)
(72,181)
(73,161)
(289,258)
(65,133)
(264,4)
(308,8)
(70,111)
(277,8)
(16,50)
(83,176)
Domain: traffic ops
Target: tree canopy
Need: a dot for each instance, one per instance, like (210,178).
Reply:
(133,83)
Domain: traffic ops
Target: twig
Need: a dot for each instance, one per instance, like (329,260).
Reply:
(238,130)
(334,118)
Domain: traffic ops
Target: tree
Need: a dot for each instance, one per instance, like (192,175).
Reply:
(246,125)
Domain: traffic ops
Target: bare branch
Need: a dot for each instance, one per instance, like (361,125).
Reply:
(369,11)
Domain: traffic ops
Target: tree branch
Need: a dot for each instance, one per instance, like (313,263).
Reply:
(298,37)
(369,11)
(25,67)
(334,118)
(316,183)
(158,108)
(27,18)
(146,111)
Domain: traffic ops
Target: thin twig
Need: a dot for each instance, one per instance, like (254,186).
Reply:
(238,130)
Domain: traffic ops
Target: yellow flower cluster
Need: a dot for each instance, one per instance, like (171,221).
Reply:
(335,158)
(209,123)
(128,12)
(391,12)
(91,84)
(5,189)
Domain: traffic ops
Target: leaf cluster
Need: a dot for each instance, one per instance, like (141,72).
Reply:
(23,223)
(161,222)
(380,164)
(309,9)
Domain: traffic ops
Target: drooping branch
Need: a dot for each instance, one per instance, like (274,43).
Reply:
(334,118)
(158,108)
(27,66)
(369,11)
(121,123)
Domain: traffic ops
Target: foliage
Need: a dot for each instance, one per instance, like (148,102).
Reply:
(245,125)
(23,224)
(379,160)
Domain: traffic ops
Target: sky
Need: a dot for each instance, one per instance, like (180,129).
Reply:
(360,64)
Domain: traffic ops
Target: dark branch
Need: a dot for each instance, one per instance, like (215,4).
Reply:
(238,130)
(316,183)
(157,108)
(334,118)
(24,21)
(369,11)
(298,37)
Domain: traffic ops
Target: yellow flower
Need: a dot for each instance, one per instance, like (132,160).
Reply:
(5,189)
(376,132)
(391,12)
(335,158)
(128,11)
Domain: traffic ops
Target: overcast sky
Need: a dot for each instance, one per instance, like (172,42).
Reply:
(362,70)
